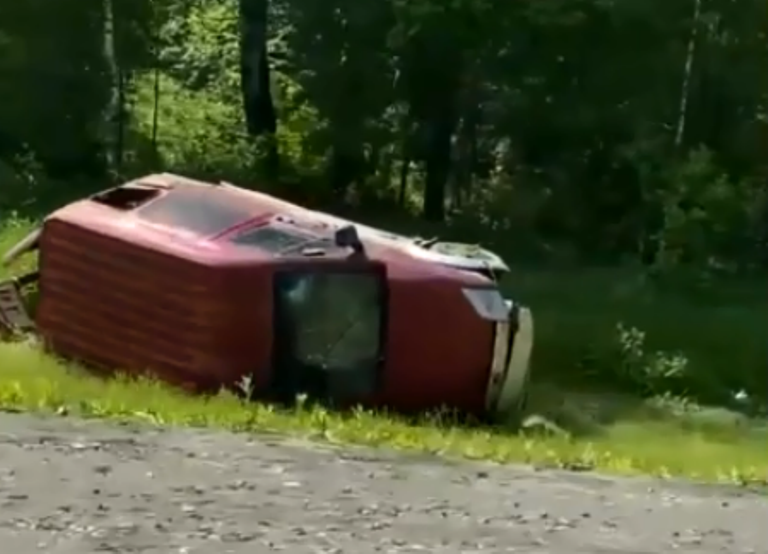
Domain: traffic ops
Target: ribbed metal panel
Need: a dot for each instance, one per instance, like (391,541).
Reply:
(111,302)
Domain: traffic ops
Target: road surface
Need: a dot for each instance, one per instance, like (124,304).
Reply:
(70,487)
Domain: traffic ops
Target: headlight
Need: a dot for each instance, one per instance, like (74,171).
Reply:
(489,304)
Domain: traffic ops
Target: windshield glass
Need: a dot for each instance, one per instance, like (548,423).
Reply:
(334,319)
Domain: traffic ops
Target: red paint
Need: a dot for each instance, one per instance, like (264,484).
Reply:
(197,311)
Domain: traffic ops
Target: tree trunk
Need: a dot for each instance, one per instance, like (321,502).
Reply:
(405,171)
(433,71)
(437,165)
(685,88)
(466,142)
(112,116)
(347,165)
(258,105)
(156,113)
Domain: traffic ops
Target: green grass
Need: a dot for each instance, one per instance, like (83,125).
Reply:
(605,431)
(722,336)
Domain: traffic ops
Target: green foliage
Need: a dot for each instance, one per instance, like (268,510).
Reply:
(610,329)
(649,373)
(27,189)
(200,48)
(51,77)
(197,130)
(561,118)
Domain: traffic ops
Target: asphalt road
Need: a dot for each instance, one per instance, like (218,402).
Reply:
(69,487)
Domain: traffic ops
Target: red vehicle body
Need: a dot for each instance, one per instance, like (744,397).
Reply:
(203,284)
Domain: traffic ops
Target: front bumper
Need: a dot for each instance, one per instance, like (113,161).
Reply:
(510,370)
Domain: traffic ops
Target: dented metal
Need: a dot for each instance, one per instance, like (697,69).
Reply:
(127,283)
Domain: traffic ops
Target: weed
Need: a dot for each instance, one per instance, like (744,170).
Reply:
(648,373)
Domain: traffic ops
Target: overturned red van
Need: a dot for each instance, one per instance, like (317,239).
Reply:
(204,284)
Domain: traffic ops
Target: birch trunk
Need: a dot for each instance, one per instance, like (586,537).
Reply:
(111,118)
(685,91)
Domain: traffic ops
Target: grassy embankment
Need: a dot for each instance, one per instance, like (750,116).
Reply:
(576,315)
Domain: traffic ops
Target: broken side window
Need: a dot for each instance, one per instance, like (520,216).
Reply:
(204,211)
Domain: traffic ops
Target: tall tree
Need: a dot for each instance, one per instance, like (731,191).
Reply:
(258,105)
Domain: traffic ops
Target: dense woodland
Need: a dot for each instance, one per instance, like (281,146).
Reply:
(608,130)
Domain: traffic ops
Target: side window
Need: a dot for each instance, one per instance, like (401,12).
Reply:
(200,210)
(271,239)
(335,319)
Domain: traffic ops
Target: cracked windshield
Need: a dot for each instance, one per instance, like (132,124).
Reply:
(337,318)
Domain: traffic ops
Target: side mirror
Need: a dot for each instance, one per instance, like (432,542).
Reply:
(347,237)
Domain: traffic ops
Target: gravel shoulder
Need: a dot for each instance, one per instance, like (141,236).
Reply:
(75,487)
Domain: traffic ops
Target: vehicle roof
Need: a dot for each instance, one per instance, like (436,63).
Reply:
(197,219)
